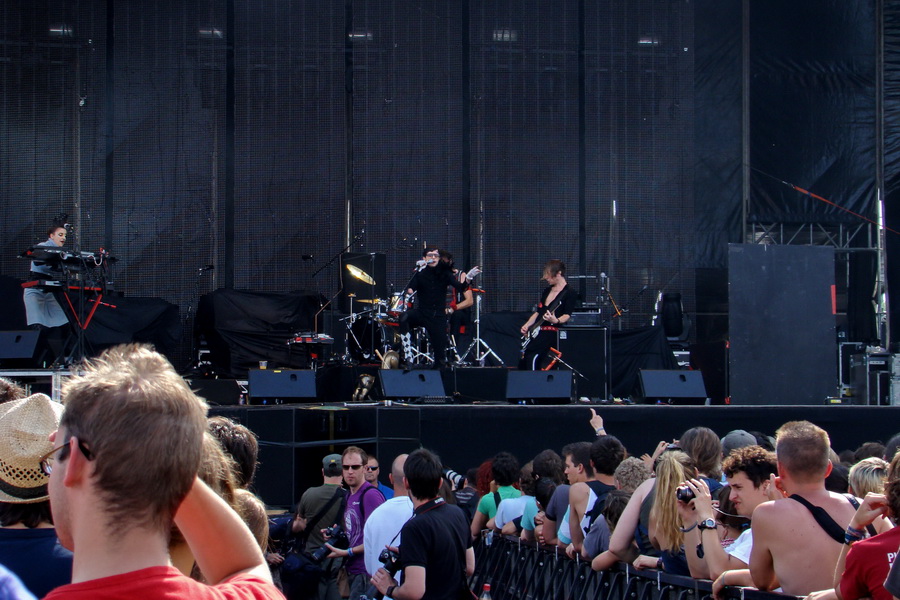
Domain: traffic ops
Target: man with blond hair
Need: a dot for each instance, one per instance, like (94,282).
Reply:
(792,546)
(123,468)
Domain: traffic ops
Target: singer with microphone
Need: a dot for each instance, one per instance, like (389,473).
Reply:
(430,282)
(540,331)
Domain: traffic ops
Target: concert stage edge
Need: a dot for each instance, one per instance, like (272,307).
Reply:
(294,438)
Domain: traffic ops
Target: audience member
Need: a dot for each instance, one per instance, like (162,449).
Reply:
(505,473)
(240,444)
(631,473)
(371,475)
(10,390)
(556,517)
(868,475)
(28,543)
(838,480)
(587,498)
(748,471)
(532,528)
(467,496)
(737,438)
(382,529)
(547,466)
(890,449)
(705,449)
(766,442)
(781,527)
(869,449)
(508,519)
(319,508)
(363,499)
(666,528)
(125,464)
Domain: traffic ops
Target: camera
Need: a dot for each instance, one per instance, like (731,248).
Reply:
(337,537)
(390,560)
(453,477)
(684,493)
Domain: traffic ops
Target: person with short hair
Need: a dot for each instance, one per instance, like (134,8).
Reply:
(27,535)
(868,475)
(587,498)
(123,467)
(505,472)
(363,499)
(552,312)
(373,470)
(382,529)
(435,552)
(782,526)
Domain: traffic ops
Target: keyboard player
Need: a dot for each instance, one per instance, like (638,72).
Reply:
(41,308)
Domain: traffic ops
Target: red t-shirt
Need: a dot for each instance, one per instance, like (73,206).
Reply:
(868,563)
(166,583)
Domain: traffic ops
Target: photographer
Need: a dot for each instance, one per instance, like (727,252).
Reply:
(435,551)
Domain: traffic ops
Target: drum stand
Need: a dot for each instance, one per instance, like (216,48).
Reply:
(420,357)
(482,350)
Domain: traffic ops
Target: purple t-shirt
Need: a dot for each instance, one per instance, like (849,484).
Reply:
(355,518)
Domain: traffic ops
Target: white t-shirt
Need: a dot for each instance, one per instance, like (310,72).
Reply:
(382,527)
(741,547)
(511,508)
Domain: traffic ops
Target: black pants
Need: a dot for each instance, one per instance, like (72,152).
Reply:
(536,355)
(435,324)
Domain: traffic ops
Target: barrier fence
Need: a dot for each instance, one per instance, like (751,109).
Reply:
(520,570)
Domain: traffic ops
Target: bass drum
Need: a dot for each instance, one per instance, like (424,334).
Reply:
(366,336)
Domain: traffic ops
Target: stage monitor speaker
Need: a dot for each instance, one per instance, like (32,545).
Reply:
(673,387)
(18,344)
(415,385)
(217,392)
(281,386)
(541,387)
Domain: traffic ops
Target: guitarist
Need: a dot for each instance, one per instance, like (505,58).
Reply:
(552,312)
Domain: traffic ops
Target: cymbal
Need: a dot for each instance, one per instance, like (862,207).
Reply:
(360,274)
(368,301)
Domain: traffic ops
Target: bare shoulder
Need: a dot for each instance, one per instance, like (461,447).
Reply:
(578,490)
(644,489)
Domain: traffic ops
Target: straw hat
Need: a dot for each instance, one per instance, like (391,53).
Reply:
(24,429)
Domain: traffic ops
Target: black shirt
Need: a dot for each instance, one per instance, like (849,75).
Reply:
(437,538)
(565,306)
(431,286)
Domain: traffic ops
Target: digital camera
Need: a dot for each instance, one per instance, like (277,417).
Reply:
(337,537)
(684,493)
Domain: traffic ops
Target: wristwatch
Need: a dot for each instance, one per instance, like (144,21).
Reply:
(706,524)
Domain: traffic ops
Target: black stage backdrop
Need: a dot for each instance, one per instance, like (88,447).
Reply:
(246,134)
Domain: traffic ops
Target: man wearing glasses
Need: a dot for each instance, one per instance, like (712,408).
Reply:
(123,468)
(372,473)
(363,499)
(430,284)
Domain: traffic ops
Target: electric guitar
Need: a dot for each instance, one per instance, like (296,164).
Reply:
(535,328)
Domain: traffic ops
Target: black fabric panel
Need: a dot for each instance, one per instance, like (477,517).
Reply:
(636,349)
(150,320)
(717,130)
(812,103)
(892,155)
(243,328)
(861,324)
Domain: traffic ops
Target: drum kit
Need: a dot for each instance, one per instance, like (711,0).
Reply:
(374,330)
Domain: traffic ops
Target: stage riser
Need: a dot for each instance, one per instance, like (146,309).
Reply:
(293,439)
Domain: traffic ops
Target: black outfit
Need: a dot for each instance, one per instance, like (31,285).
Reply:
(460,320)
(430,285)
(436,538)
(535,355)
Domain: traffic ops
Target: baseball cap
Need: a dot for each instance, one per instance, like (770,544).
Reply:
(331,459)
(736,439)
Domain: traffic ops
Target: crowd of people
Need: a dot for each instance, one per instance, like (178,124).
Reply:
(128,489)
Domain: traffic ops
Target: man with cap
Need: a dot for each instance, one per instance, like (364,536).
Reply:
(735,439)
(327,499)
(28,543)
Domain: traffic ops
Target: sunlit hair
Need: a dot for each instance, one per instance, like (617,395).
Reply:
(355,450)
(238,442)
(868,475)
(705,449)
(674,467)
(10,390)
(631,473)
(144,428)
(803,449)
(753,461)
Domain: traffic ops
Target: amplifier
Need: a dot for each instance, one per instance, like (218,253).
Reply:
(585,319)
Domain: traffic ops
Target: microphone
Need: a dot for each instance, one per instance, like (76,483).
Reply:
(643,289)
(206,268)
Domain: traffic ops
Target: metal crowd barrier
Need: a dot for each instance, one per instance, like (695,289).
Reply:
(520,570)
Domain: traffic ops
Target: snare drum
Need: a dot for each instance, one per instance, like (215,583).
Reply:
(398,304)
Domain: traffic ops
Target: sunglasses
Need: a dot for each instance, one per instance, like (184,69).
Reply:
(354,467)
(46,461)
(370,469)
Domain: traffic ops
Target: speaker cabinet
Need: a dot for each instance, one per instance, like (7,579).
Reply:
(281,386)
(542,387)
(18,344)
(396,383)
(587,350)
(673,387)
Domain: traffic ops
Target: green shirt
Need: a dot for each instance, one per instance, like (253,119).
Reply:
(488,506)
